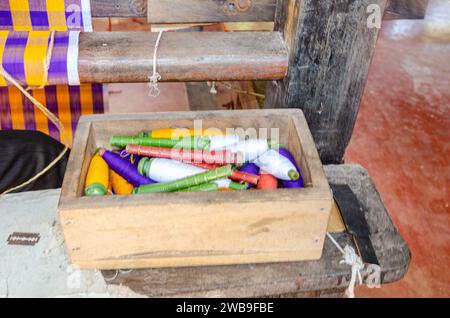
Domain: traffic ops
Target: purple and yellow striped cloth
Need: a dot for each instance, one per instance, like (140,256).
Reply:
(66,102)
(58,15)
(22,54)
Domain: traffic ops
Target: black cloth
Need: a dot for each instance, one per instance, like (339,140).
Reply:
(23,154)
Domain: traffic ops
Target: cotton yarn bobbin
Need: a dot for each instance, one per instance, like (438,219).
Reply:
(222,141)
(252,169)
(97,178)
(195,180)
(250,149)
(216,157)
(291,184)
(119,185)
(181,132)
(228,184)
(124,168)
(167,170)
(199,143)
(267,182)
(207,187)
(239,176)
(207,166)
(280,167)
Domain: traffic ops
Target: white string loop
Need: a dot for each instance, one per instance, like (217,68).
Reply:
(213,89)
(154,90)
(352,259)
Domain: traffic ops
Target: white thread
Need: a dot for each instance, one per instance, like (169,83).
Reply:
(275,164)
(153,85)
(250,149)
(168,170)
(213,89)
(222,141)
(353,260)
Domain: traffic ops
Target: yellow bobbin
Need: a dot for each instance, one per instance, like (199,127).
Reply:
(97,179)
(183,132)
(119,185)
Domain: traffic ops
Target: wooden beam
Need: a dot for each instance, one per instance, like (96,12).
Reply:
(198,11)
(187,11)
(262,10)
(331,49)
(406,9)
(109,57)
(119,8)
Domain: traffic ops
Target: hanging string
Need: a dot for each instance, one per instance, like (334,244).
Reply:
(353,260)
(213,89)
(214,85)
(153,85)
(55,120)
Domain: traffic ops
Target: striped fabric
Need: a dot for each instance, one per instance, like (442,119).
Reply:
(66,102)
(59,15)
(22,55)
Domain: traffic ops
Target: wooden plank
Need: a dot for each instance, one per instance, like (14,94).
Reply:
(398,9)
(406,9)
(119,8)
(188,11)
(291,278)
(109,57)
(331,49)
(336,224)
(187,229)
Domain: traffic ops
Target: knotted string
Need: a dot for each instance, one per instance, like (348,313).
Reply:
(153,85)
(55,120)
(353,260)
(213,89)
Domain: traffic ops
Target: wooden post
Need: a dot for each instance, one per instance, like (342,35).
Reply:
(331,48)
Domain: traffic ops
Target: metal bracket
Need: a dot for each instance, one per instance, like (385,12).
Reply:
(233,7)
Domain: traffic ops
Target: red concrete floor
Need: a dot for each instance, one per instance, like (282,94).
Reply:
(402,138)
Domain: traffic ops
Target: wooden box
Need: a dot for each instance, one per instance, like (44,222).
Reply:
(193,229)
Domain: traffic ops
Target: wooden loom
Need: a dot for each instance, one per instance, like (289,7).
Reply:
(321,70)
